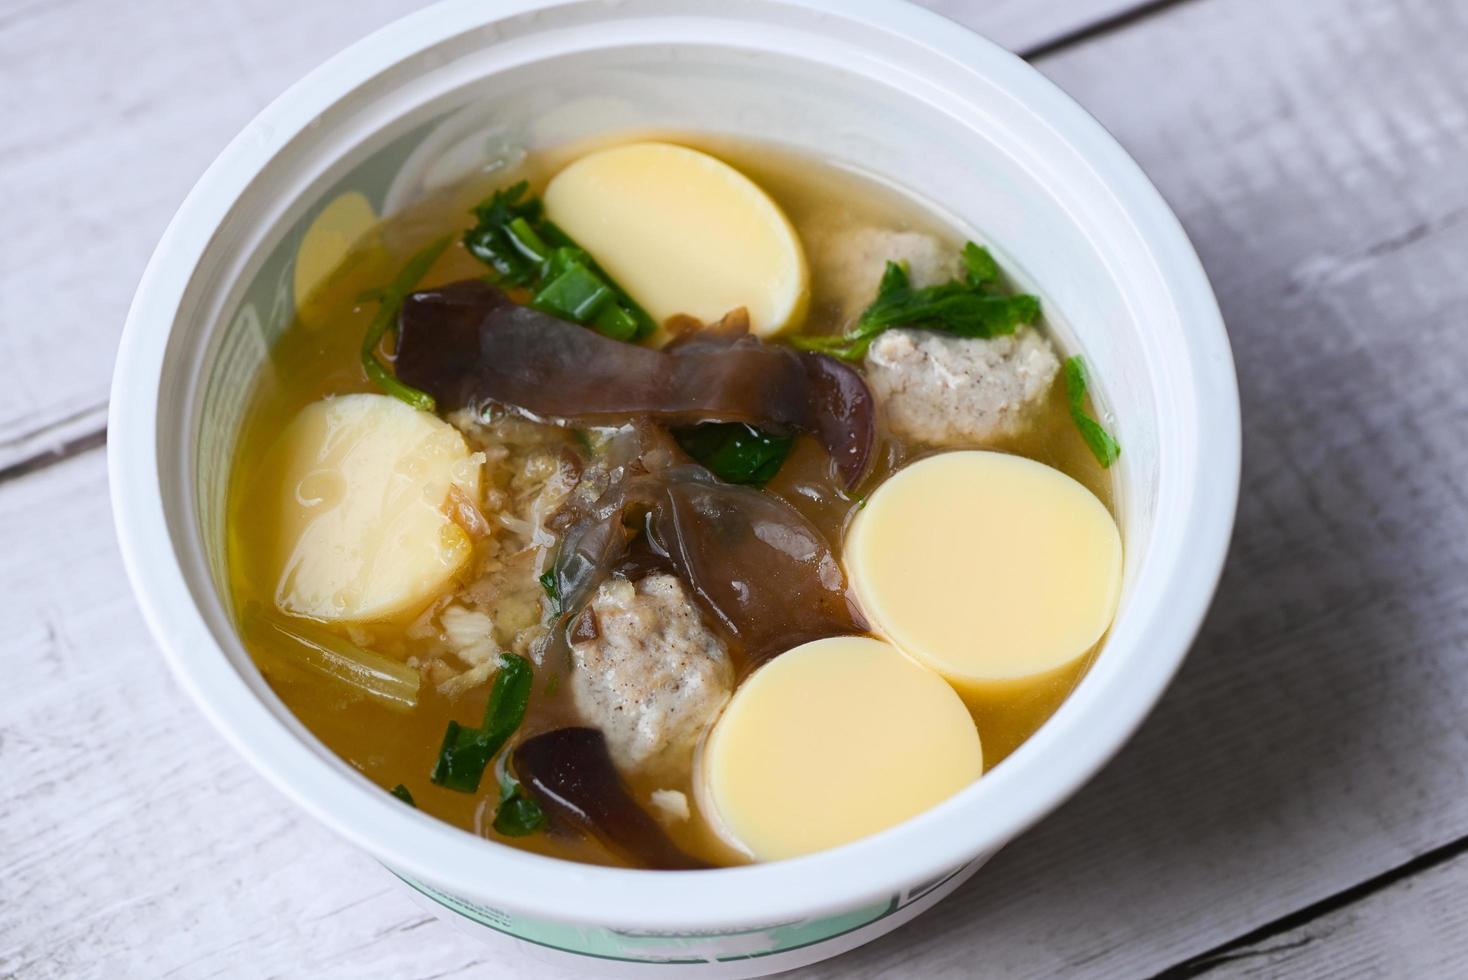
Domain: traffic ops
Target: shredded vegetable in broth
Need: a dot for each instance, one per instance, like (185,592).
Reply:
(514,523)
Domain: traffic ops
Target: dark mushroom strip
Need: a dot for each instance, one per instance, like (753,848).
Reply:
(756,563)
(571,774)
(760,569)
(468,344)
(843,413)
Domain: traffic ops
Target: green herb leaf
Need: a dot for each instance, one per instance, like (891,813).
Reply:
(736,452)
(552,588)
(970,307)
(461,758)
(490,240)
(514,238)
(518,813)
(401,792)
(390,300)
(1077,381)
(466,752)
(979,266)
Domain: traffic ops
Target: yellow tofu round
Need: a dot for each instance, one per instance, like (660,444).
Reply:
(990,568)
(338,258)
(356,493)
(832,741)
(683,232)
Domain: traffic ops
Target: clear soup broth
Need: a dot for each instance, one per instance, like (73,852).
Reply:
(319,356)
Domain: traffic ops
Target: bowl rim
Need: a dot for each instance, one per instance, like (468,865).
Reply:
(1078,743)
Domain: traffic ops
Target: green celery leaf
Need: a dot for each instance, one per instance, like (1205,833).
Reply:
(491,241)
(736,452)
(507,699)
(1077,381)
(553,234)
(979,266)
(967,307)
(401,792)
(518,814)
(466,752)
(461,759)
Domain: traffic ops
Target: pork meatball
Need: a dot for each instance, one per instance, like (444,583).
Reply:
(653,677)
(945,390)
(850,262)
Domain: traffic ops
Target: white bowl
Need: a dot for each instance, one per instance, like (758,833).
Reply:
(877,85)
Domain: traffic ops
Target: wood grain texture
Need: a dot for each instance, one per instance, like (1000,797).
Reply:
(113,110)
(1418,927)
(1316,737)
(1024,25)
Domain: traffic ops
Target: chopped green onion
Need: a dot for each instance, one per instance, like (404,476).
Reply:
(401,792)
(490,241)
(736,452)
(1102,445)
(390,300)
(302,646)
(563,259)
(616,322)
(577,294)
(524,248)
(466,752)
(527,241)
(968,307)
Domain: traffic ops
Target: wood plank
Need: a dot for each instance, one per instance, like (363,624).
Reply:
(1025,25)
(1417,927)
(1315,739)
(114,110)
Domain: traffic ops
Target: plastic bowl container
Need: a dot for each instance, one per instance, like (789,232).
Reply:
(880,86)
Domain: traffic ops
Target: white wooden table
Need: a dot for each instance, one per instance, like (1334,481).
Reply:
(1298,805)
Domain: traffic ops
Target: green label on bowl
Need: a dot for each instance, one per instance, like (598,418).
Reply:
(667,946)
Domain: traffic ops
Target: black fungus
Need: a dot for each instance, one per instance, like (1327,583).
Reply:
(467,344)
(571,774)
